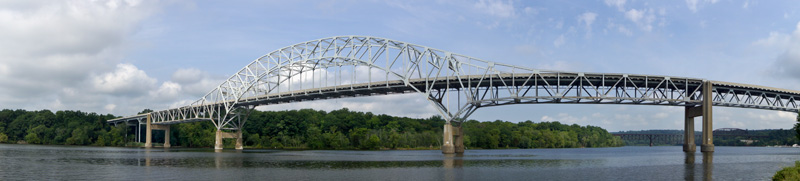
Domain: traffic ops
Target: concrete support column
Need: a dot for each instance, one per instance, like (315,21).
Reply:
(166,136)
(447,136)
(218,142)
(239,145)
(139,131)
(688,130)
(458,139)
(148,133)
(708,137)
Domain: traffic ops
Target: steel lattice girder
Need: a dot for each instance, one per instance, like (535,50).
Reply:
(353,66)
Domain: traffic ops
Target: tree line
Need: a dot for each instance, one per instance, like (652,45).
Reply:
(765,137)
(59,128)
(303,129)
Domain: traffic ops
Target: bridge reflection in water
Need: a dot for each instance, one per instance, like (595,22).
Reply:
(456,85)
(708,166)
(677,139)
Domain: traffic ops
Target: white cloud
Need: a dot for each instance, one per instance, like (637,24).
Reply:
(187,75)
(52,48)
(587,19)
(693,5)
(167,92)
(565,118)
(496,8)
(110,107)
(624,30)
(643,18)
(775,39)
(125,80)
(788,63)
(530,10)
(634,15)
(620,4)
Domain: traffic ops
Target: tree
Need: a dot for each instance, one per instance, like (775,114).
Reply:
(373,143)
(3,138)
(797,126)
(145,111)
(35,135)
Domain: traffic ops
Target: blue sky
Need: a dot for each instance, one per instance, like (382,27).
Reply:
(121,56)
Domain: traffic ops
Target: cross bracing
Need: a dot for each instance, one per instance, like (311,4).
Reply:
(457,85)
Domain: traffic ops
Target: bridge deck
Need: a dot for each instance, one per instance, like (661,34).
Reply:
(517,81)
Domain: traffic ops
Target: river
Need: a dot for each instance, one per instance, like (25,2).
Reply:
(26,162)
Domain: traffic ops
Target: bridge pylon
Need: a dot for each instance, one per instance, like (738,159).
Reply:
(149,133)
(453,138)
(704,110)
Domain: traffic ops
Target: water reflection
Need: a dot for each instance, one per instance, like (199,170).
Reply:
(35,162)
(147,157)
(453,164)
(453,160)
(708,166)
(689,166)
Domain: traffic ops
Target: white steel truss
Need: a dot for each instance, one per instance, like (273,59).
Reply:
(457,85)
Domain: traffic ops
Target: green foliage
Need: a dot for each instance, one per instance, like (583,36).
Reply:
(145,111)
(788,173)
(797,127)
(79,137)
(196,134)
(373,142)
(502,134)
(303,129)
(3,138)
(61,127)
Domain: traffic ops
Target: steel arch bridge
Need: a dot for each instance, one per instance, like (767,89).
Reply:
(457,85)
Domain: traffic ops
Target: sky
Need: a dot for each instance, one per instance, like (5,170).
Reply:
(122,56)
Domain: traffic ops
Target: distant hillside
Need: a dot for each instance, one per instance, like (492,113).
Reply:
(765,137)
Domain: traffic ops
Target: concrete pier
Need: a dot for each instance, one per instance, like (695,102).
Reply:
(458,139)
(453,139)
(688,131)
(708,129)
(149,133)
(221,135)
(704,110)
(447,142)
(148,143)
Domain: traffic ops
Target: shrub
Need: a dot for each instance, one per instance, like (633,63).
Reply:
(788,173)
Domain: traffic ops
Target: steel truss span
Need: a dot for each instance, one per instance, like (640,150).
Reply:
(457,85)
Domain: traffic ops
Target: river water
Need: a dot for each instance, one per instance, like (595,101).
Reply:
(26,162)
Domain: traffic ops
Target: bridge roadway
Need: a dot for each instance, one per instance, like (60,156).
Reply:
(518,80)
(442,77)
